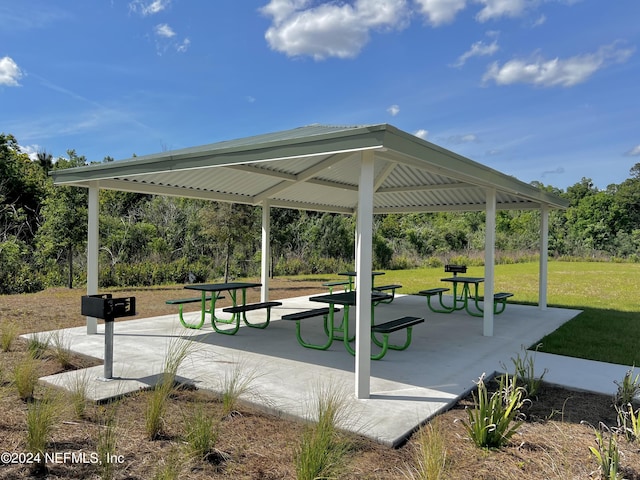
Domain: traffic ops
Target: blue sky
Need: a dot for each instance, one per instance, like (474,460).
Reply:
(544,90)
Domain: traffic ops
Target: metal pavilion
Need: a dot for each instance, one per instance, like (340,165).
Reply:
(363,170)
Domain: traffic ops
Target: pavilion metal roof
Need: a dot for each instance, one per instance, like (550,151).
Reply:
(317,167)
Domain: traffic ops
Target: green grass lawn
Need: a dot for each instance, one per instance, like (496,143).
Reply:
(608,293)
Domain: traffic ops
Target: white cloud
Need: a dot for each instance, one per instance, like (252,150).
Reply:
(478,49)
(460,139)
(31,150)
(634,152)
(330,29)
(146,8)
(10,73)
(182,47)
(164,41)
(539,21)
(394,110)
(556,72)
(422,133)
(502,8)
(164,30)
(440,12)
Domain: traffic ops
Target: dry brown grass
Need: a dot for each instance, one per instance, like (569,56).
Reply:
(552,444)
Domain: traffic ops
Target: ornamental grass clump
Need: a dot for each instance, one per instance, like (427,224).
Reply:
(322,453)
(106,441)
(25,376)
(495,417)
(177,352)
(236,383)
(60,347)
(8,334)
(201,432)
(429,455)
(42,415)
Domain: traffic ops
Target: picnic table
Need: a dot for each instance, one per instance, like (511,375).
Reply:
(352,276)
(211,292)
(381,288)
(341,331)
(464,298)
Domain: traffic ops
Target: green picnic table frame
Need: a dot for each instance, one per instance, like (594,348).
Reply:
(463,299)
(215,289)
(341,332)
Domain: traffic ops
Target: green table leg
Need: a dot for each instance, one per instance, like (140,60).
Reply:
(235,317)
(328,328)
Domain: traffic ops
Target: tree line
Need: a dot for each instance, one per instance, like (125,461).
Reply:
(153,240)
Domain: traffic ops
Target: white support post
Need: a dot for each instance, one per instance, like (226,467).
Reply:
(544,257)
(92,250)
(266,250)
(364,258)
(489,263)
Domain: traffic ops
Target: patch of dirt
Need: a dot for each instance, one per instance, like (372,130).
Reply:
(553,443)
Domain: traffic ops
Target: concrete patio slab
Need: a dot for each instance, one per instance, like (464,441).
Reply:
(446,357)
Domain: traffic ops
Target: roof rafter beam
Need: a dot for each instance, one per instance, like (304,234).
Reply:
(311,206)
(382,176)
(455,208)
(149,188)
(427,188)
(303,176)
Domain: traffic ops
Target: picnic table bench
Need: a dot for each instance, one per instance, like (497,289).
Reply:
(393,326)
(341,332)
(386,288)
(336,283)
(242,309)
(316,312)
(462,299)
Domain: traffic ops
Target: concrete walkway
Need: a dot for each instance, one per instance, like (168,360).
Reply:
(446,357)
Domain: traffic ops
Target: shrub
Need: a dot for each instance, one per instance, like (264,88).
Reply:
(494,419)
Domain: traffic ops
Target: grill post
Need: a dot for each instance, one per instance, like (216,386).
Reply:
(105,307)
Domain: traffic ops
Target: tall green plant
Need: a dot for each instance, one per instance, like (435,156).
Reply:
(236,383)
(607,455)
(106,441)
(42,415)
(430,454)
(494,419)
(201,431)
(628,389)
(8,334)
(525,374)
(321,453)
(25,376)
(177,352)
(629,422)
